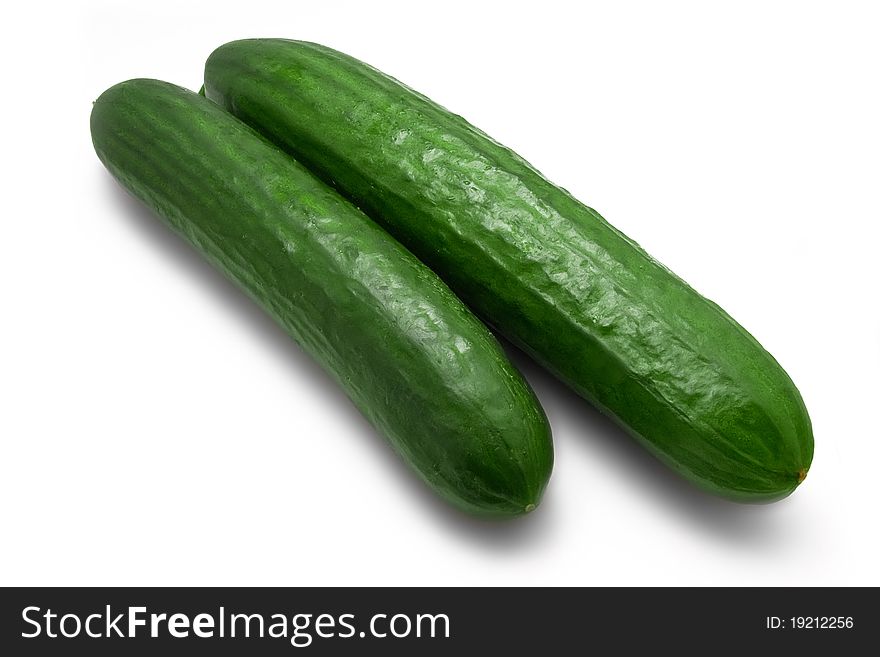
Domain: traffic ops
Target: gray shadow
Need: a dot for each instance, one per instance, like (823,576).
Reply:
(495,535)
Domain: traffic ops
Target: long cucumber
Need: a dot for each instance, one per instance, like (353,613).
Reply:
(549,272)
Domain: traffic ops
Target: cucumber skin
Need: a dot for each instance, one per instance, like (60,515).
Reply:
(548,272)
(411,356)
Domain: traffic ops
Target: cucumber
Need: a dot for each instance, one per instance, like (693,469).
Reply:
(548,272)
(418,364)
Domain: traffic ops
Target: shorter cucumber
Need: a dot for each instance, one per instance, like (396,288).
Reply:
(409,354)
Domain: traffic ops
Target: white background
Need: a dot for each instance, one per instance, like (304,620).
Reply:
(158,429)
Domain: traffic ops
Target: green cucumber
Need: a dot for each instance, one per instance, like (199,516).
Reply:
(547,271)
(416,362)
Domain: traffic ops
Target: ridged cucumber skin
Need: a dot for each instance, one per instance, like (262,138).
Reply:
(547,271)
(418,364)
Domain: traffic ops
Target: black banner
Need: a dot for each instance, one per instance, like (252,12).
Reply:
(436,621)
